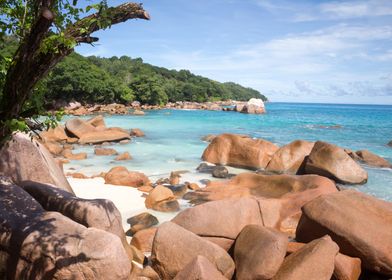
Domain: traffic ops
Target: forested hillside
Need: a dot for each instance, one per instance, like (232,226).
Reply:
(95,79)
(122,80)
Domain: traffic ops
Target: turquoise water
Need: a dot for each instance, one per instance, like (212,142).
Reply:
(173,142)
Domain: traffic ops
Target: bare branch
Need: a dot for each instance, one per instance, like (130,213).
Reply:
(114,15)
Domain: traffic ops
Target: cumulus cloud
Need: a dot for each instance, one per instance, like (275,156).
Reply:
(308,63)
(334,10)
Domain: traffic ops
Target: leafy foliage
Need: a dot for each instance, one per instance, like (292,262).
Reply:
(104,80)
(77,78)
(41,33)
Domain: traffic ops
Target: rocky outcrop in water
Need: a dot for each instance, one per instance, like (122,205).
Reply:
(290,158)
(371,159)
(253,106)
(94,131)
(239,151)
(333,162)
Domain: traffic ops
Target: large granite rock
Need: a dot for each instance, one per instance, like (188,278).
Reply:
(346,268)
(94,131)
(56,134)
(360,224)
(333,162)
(141,221)
(162,199)
(223,219)
(267,186)
(108,135)
(372,159)
(200,268)
(290,158)
(105,151)
(143,239)
(137,132)
(97,121)
(253,106)
(315,260)
(174,247)
(77,127)
(35,244)
(259,252)
(97,213)
(24,159)
(120,175)
(280,198)
(239,151)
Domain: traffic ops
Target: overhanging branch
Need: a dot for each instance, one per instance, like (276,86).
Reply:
(30,64)
(83,28)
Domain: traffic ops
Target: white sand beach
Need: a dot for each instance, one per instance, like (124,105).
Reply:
(128,200)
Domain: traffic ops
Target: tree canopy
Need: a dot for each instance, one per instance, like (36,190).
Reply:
(46,31)
(121,80)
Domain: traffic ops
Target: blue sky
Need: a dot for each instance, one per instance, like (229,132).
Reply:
(295,51)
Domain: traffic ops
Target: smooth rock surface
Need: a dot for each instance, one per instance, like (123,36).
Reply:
(162,199)
(47,245)
(259,252)
(105,151)
(143,239)
(360,224)
(372,159)
(290,158)
(23,159)
(97,213)
(333,162)
(315,260)
(239,151)
(168,260)
(141,221)
(120,175)
(200,268)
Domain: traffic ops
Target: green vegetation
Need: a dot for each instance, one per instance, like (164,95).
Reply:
(102,80)
(45,32)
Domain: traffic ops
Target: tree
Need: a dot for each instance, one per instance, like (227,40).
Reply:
(46,32)
(77,78)
(149,90)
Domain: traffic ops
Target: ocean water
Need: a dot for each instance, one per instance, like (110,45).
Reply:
(173,137)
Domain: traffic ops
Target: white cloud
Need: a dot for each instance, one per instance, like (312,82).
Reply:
(344,10)
(352,9)
(334,10)
(306,64)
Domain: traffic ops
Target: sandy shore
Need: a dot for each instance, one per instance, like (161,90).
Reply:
(128,200)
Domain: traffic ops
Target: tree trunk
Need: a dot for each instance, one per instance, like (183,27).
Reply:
(30,64)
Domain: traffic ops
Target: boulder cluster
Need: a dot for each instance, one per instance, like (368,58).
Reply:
(315,232)
(60,140)
(298,157)
(290,222)
(59,238)
(284,219)
(253,106)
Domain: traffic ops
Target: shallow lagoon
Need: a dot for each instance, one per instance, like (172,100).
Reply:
(173,142)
